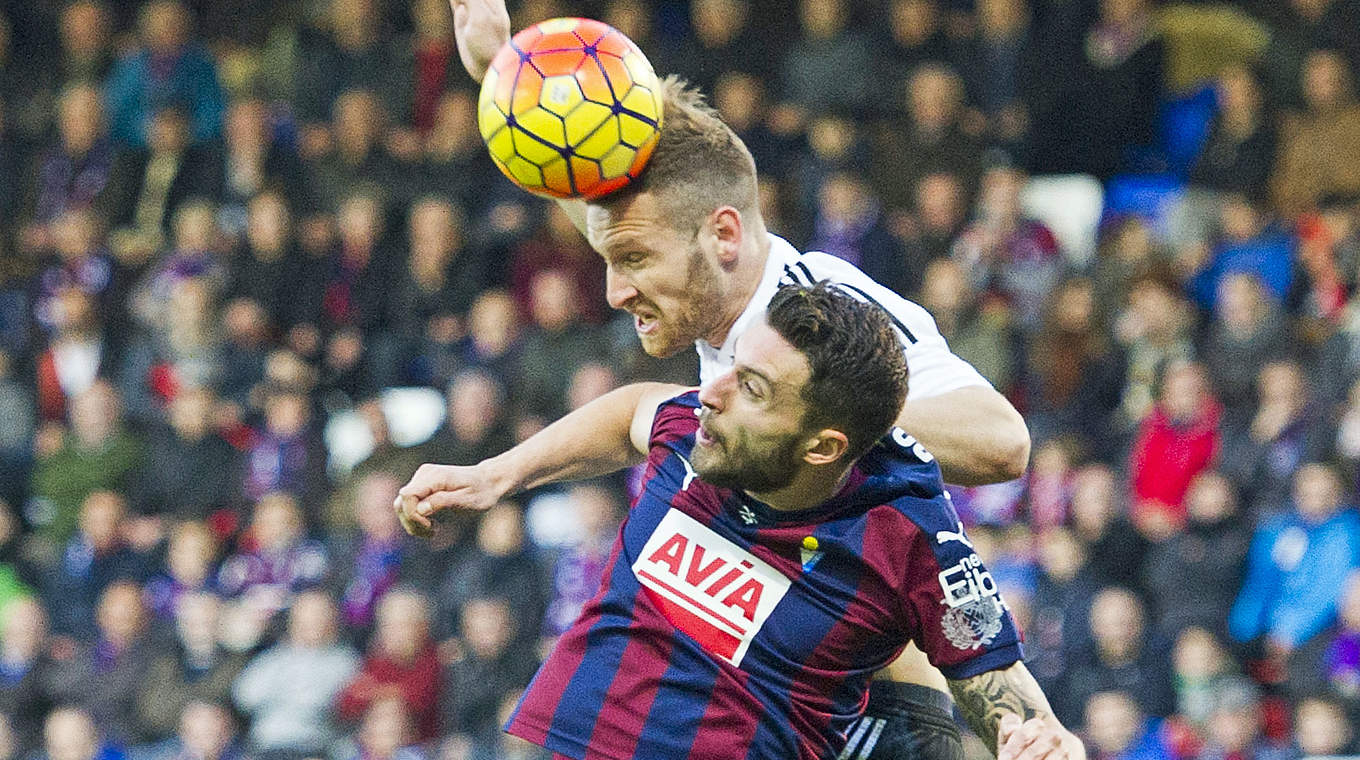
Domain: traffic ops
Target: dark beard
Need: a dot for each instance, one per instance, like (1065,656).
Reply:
(744,470)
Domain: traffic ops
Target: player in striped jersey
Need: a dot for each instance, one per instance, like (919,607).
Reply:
(782,549)
(689,257)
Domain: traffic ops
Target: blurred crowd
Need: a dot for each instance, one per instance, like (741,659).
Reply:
(256,266)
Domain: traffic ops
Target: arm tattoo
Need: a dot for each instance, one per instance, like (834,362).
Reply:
(986,697)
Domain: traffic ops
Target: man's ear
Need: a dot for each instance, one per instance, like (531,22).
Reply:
(726,226)
(825,447)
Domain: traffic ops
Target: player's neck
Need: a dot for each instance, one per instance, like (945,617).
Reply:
(810,488)
(744,283)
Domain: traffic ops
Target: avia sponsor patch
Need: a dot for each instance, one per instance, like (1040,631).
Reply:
(712,589)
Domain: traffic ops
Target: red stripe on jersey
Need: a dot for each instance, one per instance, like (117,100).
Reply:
(631,694)
(710,636)
(728,725)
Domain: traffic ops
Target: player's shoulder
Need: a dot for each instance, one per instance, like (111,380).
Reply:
(908,481)
(814,266)
(676,419)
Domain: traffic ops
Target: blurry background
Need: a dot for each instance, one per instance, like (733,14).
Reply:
(257,266)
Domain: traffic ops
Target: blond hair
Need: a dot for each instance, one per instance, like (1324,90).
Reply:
(699,163)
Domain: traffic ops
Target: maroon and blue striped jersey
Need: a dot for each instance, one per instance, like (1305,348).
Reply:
(724,628)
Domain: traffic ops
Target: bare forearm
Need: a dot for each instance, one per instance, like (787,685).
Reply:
(988,697)
(974,433)
(593,440)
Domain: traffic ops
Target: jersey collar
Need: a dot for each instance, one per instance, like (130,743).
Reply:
(782,254)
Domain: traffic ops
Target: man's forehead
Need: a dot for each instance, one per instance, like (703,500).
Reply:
(762,349)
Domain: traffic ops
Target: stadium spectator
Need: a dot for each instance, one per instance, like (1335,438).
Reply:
(494,566)
(198,472)
(452,161)
(580,566)
(1323,728)
(916,35)
(475,425)
(1193,576)
(275,560)
(352,152)
(203,730)
(1117,551)
(1239,153)
(104,675)
(77,260)
(1070,370)
(169,68)
(487,665)
(1297,563)
(197,670)
(1286,431)
(386,732)
(1234,727)
(850,224)
(352,51)
(979,329)
(557,245)
(1200,664)
(828,65)
(1341,663)
(95,557)
(1176,442)
(1117,730)
(556,344)
(1245,334)
(1063,592)
(368,565)
(25,670)
(260,265)
(71,171)
(245,341)
(722,38)
(190,567)
(401,663)
(1250,241)
(998,61)
(1320,146)
(70,733)
(932,139)
(1123,654)
(284,455)
(288,690)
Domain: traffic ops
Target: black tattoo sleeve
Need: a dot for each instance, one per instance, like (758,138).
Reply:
(986,697)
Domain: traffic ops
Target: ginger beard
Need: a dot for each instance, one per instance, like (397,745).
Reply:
(691,313)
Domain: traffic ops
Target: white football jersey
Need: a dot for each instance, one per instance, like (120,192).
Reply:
(932,368)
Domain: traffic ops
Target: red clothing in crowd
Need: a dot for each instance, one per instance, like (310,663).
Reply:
(1167,456)
(417,683)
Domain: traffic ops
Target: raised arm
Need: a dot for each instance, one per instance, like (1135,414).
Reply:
(974,433)
(605,435)
(1007,710)
(480,28)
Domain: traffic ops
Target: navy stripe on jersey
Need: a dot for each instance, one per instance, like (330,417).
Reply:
(681,702)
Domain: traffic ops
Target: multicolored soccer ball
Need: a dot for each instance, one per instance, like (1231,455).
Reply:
(570,108)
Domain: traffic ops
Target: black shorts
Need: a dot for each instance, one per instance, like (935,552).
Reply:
(904,721)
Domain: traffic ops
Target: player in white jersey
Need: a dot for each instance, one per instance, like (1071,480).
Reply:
(688,255)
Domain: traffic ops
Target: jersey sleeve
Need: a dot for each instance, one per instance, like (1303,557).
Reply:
(953,607)
(932,368)
(675,419)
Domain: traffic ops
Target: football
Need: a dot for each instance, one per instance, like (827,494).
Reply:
(570,108)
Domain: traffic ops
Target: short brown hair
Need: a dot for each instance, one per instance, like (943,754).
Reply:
(859,371)
(699,164)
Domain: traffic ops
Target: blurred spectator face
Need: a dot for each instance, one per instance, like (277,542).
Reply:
(191,413)
(205,729)
(373,505)
(823,19)
(554,302)
(195,227)
(288,370)
(999,197)
(1118,12)
(1112,722)
(190,553)
(164,26)
(24,631)
(386,728)
(1241,301)
(286,413)
(360,222)
(403,624)
(121,615)
(1093,493)
(311,620)
(717,22)
(492,322)
(84,29)
(939,202)
(1349,608)
(997,18)
(268,225)
(934,96)
(353,22)
(455,122)
(831,137)
(630,17)
(1074,306)
(738,97)
(245,322)
(435,230)
(1157,308)
(913,21)
(1322,728)
(486,627)
(168,131)
(1236,717)
(501,531)
(101,515)
(1281,383)
(95,414)
(474,405)
(1240,220)
(357,119)
(1210,499)
(80,118)
(1184,391)
(1238,91)
(196,622)
(596,510)
(843,199)
(434,21)
(1310,9)
(277,523)
(247,126)
(1317,492)
(1326,81)
(589,383)
(1116,623)
(69,734)
(1198,655)
(944,289)
(1061,555)
(75,232)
